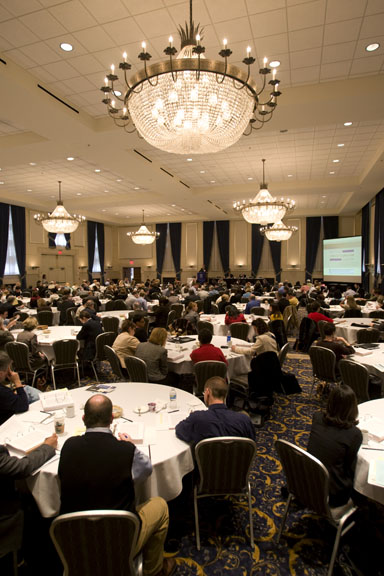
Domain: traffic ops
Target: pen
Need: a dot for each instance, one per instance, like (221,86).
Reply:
(44,412)
(149,452)
(127,419)
(172,411)
(372,448)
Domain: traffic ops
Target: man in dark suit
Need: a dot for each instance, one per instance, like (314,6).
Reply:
(64,305)
(90,329)
(98,472)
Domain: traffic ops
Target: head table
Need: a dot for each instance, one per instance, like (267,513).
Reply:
(171,458)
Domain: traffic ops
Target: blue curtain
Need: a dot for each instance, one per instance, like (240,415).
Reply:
(160,248)
(175,236)
(101,245)
(257,247)
(208,228)
(276,258)
(18,220)
(331,227)
(68,241)
(4,226)
(91,234)
(51,240)
(379,233)
(222,230)
(313,225)
(365,232)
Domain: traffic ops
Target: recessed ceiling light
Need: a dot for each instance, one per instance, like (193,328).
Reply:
(173,205)
(372,47)
(182,209)
(106,191)
(103,210)
(250,178)
(116,213)
(136,188)
(78,194)
(323,196)
(66,46)
(29,189)
(32,164)
(331,172)
(347,123)
(53,196)
(119,180)
(202,171)
(290,175)
(335,161)
(117,92)
(97,170)
(213,181)
(1,182)
(168,214)
(275,63)
(70,158)
(340,145)
(189,159)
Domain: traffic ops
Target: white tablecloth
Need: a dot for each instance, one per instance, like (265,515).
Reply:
(237,363)
(33,312)
(367,411)
(345,329)
(47,337)
(373,360)
(120,314)
(171,458)
(219,326)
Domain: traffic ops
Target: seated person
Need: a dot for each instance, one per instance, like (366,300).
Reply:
(14,397)
(350,303)
(224,302)
(43,305)
(5,323)
(36,358)
(218,420)
(160,313)
(337,344)
(315,315)
(335,441)
(155,356)
(192,315)
(89,331)
(253,303)
(5,337)
(206,350)
(125,344)
(140,331)
(233,315)
(265,340)
(275,312)
(99,472)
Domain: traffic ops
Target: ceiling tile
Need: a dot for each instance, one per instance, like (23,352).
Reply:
(338,52)
(263,5)
(139,7)
(4,14)
(305,39)
(220,10)
(374,7)
(16,33)
(269,23)
(372,26)
(43,24)
(335,70)
(157,23)
(94,39)
(73,15)
(106,11)
(306,75)
(270,45)
(236,30)
(54,44)
(180,13)
(306,15)
(306,58)
(364,65)
(79,84)
(342,32)
(87,64)
(22,59)
(20,7)
(337,11)
(40,53)
(61,70)
(124,31)
(42,74)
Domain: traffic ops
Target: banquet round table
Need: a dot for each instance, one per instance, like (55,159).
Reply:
(372,359)
(171,458)
(371,417)
(220,328)
(345,329)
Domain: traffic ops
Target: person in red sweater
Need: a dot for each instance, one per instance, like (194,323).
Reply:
(206,350)
(233,315)
(316,315)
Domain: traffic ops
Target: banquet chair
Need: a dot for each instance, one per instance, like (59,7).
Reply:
(283,354)
(170,318)
(205,370)
(224,466)
(278,329)
(320,327)
(308,482)
(214,308)
(97,543)
(239,330)
(110,324)
(258,311)
(377,314)
(45,318)
(202,325)
(114,361)
(26,294)
(178,308)
(106,338)
(109,306)
(368,336)
(353,313)
(65,356)
(200,305)
(19,354)
(323,363)
(357,377)
(119,305)
(22,316)
(136,368)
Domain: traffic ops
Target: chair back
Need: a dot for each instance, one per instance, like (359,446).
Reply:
(170,318)
(244,299)
(353,313)
(178,308)
(368,336)
(200,305)
(377,314)
(106,338)
(307,478)
(283,353)
(258,311)
(65,352)
(307,334)
(320,327)
(114,361)
(278,329)
(265,376)
(45,317)
(357,377)
(323,363)
(214,308)
(224,464)
(110,324)
(202,325)
(70,315)
(119,305)
(136,368)
(239,330)
(96,542)
(19,354)
(26,294)
(22,316)
(109,305)
(205,370)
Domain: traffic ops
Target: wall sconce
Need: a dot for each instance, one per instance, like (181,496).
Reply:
(109,267)
(82,267)
(293,265)
(34,267)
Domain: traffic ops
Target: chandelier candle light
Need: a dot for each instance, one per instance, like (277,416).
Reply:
(264,208)
(190,104)
(59,221)
(143,235)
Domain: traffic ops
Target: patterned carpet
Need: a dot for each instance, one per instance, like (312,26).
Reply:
(224,523)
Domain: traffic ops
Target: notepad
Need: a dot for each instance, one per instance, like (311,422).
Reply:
(27,442)
(134,429)
(56,400)
(376,472)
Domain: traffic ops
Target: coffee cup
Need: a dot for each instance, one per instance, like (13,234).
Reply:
(365,434)
(70,411)
(59,422)
(152,406)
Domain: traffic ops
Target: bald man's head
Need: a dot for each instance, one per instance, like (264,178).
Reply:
(98,412)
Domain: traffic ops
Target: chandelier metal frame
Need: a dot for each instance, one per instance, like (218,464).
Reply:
(191,60)
(60,220)
(143,235)
(264,208)
(278,232)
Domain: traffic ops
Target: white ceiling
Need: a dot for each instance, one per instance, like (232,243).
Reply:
(327,78)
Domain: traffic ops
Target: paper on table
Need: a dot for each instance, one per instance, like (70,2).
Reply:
(375,427)
(169,420)
(134,429)
(362,351)
(174,355)
(27,442)
(376,472)
(35,417)
(379,367)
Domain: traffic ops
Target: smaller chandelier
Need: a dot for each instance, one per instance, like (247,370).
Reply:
(278,232)
(143,235)
(264,209)
(59,221)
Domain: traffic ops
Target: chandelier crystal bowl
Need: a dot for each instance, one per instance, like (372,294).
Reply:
(143,235)
(59,221)
(279,232)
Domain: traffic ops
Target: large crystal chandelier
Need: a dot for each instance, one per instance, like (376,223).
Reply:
(189,104)
(264,209)
(143,235)
(278,232)
(59,221)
